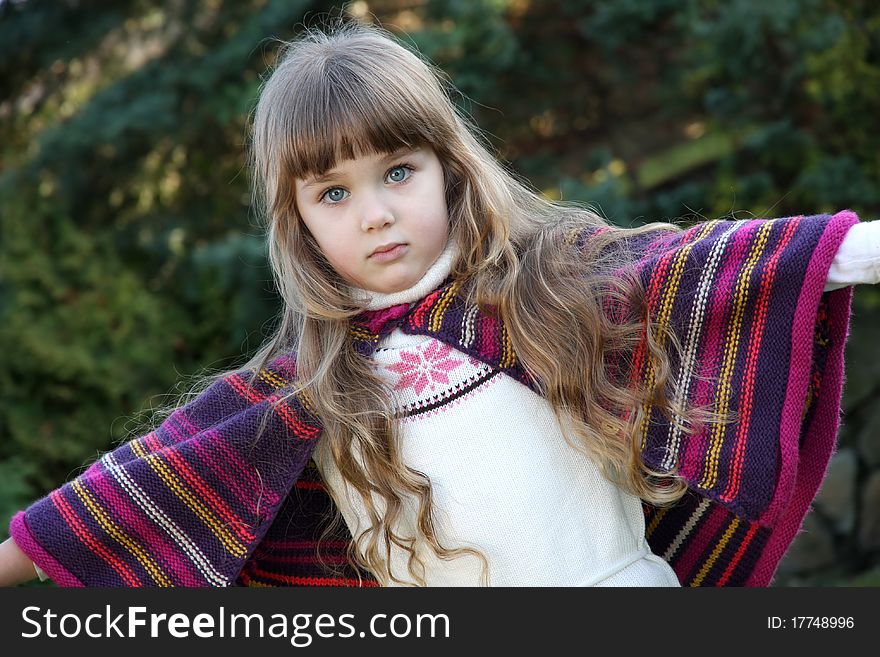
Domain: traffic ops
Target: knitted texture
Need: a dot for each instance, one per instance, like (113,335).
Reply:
(199,502)
(493,481)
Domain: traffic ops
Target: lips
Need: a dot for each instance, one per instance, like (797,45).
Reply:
(386,247)
(389,253)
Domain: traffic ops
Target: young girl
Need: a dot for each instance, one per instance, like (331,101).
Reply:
(472,385)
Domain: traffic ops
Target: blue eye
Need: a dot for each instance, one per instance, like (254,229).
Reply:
(333,195)
(399,173)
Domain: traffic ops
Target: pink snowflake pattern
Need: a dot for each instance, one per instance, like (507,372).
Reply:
(422,368)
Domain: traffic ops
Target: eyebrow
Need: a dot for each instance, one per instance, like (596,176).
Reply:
(332,175)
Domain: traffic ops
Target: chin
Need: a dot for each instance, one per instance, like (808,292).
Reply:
(391,288)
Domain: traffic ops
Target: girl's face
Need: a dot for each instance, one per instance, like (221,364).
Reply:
(380,220)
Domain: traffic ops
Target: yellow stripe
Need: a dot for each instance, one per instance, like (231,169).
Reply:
(670,290)
(272,379)
(508,358)
(571,236)
(439,308)
(306,400)
(658,516)
(232,545)
(277,382)
(807,402)
(113,530)
(710,475)
(361,333)
(717,551)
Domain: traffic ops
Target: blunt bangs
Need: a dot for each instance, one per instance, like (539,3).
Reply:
(340,115)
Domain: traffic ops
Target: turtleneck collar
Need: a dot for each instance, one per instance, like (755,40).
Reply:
(436,274)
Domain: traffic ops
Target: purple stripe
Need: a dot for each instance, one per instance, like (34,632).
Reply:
(761,446)
(798,483)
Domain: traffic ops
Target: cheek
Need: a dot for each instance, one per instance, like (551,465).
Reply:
(321,233)
(430,221)
(441,217)
(337,251)
(432,209)
(323,242)
(341,249)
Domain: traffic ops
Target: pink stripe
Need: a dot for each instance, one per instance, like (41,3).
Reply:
(137,524)
(798,483)
(243,471)
(286,364)
(801,356)
(224,474)
(490,338)
(181,419)
(377,321)
(27,543)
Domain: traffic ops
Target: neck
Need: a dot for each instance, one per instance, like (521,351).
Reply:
(436,274)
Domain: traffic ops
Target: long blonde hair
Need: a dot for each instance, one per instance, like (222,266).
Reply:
(351,90)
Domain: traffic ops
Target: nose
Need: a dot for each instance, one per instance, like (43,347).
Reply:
(375,213)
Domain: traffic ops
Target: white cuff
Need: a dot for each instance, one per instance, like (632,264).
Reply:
(40,573)
(858,258)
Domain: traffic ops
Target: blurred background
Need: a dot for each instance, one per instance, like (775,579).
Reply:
(131,259)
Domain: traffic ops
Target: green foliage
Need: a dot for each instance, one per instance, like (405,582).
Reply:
(15,492)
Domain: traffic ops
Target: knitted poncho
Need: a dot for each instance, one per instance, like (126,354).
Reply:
(199,502)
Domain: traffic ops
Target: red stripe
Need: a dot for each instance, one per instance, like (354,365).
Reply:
(658,276)
(313,485)
(207,493)
(748,386)
(291,580)
(654,288)
(739,554)
(91,542)
(302,544)
(242,388)
(291,419)
(418,316)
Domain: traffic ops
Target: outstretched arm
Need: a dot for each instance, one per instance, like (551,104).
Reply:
(760,339)
(183,505)
(15,567)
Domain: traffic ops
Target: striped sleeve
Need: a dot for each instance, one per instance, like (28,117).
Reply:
(760,338)
(184,505)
